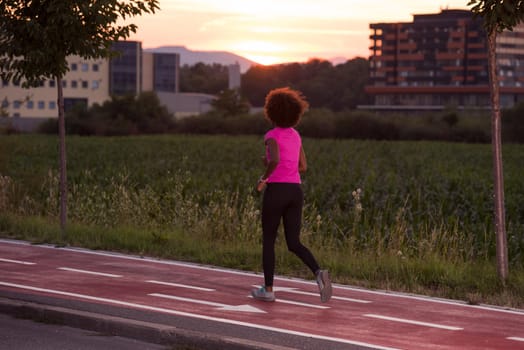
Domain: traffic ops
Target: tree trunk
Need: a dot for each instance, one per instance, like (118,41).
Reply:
(63,168)
(496,143)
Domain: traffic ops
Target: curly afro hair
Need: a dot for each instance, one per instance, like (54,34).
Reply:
(284,107)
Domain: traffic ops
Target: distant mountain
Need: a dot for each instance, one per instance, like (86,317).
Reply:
(190,57)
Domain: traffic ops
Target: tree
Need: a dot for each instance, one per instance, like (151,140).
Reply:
(37,36)
(498,15)
(230,103)
(338,88)
(204,78)
(513,124)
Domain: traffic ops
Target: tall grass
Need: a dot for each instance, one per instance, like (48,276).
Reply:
(413,216)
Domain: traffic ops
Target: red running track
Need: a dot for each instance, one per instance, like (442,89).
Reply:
(353,316)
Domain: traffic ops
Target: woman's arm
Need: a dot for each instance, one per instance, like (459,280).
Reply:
(274,157)
(302,163)
(271,163)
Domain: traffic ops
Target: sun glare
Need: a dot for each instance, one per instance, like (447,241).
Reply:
(263,52)
(264,60)
(258,46)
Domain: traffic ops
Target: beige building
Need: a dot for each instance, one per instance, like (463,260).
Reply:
(234,76)
(86,83)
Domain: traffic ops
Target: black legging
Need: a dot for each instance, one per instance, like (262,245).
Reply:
(283,201)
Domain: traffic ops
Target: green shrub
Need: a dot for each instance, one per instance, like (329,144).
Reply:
(513,124)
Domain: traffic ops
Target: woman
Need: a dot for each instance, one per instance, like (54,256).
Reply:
(283,197)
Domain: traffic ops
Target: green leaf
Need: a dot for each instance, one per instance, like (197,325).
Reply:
(44,33)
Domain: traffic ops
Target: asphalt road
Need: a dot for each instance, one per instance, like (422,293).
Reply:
(23,334)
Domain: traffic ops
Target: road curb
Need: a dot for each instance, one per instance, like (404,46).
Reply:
(118,326)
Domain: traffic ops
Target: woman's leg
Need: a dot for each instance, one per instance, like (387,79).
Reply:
(292,224)
(271,214)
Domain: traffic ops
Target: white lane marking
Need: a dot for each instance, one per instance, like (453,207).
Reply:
(283,301)
(515,338)
(89,272)
(242,308)
(426,324)
(17,262)
(203,317)
(181,286)
(294,290)
(353,300)
(302,304)
(288,279)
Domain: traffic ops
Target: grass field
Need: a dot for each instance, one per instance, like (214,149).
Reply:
(407,216)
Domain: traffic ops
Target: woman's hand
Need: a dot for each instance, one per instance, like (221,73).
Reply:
(261,184)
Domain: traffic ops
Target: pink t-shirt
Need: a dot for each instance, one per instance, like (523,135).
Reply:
(289,144)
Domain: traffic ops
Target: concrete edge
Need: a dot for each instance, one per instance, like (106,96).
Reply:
(117,326)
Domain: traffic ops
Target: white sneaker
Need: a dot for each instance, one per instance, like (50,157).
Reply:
(324,285)
(262,294)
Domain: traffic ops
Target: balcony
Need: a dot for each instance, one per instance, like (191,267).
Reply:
(449,56)
(411,57)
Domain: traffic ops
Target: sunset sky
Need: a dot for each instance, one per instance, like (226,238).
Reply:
(278,31)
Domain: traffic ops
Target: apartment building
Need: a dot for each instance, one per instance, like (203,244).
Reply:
(440,60)
(85,83)
(91,81)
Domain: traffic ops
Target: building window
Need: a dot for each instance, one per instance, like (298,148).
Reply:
(95,84)
(30,104)
(5,103)
(85,67)
(74,67)
(74,84)
(125,71)
(52,105)
(5,82)
(64,83)
(95,67)
(52,83)
(165,78)
(16,104)
(85,84)
(41,104)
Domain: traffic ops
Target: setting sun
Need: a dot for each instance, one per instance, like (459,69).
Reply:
(262,52)
(273,31)
(264,60)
